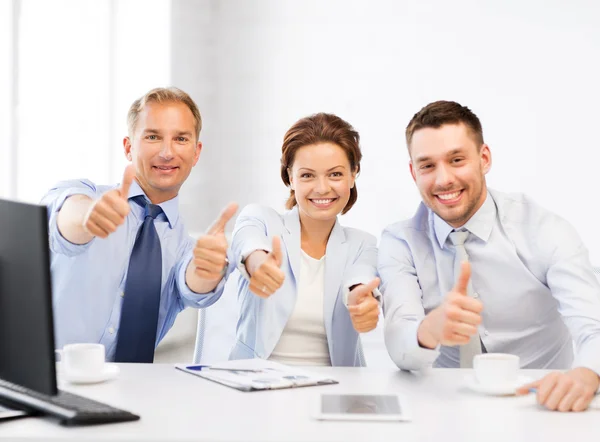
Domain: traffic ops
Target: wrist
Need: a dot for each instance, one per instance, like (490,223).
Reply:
(254,261)
(425,337)
(587,376)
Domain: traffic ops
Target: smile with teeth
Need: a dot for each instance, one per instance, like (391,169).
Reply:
(449,196)
(323,201)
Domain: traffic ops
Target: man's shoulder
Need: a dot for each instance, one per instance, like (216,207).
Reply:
(520,209)
(417,225)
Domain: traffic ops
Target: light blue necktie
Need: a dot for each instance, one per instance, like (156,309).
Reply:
(474,347)
(139,312)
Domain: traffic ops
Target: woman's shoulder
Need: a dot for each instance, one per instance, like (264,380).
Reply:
(360,236)
(261,212)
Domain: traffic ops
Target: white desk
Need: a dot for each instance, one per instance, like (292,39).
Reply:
(176,406)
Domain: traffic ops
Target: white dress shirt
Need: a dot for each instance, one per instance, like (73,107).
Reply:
(529,269)
(304,340)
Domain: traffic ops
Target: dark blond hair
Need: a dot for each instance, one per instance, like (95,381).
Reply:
(163,95)
(320,128)
(438,113)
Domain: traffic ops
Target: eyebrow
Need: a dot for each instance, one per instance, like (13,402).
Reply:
(328,170)
(156,131)
(449,154)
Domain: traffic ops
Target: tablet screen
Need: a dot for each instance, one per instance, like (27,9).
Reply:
(360,404)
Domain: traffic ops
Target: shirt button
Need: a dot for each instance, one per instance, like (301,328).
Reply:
(475,295)
(122,294)
(486,333)
(111,330)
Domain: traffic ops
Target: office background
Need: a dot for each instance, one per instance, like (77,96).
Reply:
(528,68)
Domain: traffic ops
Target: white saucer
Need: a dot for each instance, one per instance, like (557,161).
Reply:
(110,372)
(505,389)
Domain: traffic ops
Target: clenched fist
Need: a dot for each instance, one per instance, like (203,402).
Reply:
(210,252)
(110,210)
(267,277)
(363,307)
(455,320)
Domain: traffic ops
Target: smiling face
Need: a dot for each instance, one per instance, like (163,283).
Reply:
(449,169)
(163,148)
(321,178)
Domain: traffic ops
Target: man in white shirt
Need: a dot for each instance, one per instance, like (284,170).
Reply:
(476,270)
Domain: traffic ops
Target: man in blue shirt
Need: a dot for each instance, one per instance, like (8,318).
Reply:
(476,270)
(123,265)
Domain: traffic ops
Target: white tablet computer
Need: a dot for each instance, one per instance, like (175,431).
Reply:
(370,407)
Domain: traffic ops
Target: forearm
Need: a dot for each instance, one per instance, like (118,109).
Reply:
(196,283)
(403,347)
(426,336)
(70,220)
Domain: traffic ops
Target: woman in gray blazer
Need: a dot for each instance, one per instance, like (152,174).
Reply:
(308,285)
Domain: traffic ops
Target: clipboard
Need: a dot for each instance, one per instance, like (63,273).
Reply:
(257,375)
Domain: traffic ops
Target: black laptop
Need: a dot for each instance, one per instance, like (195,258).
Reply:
(27,361)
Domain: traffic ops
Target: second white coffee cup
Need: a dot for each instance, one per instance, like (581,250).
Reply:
(496,368)
(85,359)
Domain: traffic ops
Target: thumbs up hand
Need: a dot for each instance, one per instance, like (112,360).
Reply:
(210,252)
(267,276)
(363,307)
(109,211)
(456,319)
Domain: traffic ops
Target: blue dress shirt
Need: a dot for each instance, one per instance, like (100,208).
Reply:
(529,269)
(88,280)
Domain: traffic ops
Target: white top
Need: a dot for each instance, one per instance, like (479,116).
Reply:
(304,340)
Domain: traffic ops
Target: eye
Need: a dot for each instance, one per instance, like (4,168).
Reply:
(182,139)
(457,160)
(426,166)
(306,175)
(337,174)
(151,137)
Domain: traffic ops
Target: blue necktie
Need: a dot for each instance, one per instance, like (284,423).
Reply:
(139,311)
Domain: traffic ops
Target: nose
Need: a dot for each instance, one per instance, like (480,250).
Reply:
(166,151)
(444,177)
(323,186)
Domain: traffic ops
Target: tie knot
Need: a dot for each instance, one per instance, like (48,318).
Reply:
(150,209)
(458,238)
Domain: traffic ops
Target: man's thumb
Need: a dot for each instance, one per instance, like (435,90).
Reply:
(128,176)
(462,283)
(226,214)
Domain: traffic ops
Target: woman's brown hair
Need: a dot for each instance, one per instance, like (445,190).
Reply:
(320,128)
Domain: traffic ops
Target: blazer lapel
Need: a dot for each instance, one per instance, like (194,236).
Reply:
(291,220)
(335,263)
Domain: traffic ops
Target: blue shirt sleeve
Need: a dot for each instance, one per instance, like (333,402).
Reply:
(54,200)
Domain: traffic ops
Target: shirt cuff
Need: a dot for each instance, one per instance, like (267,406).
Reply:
(252,247)
(58,243)
(199,300)
(403,346)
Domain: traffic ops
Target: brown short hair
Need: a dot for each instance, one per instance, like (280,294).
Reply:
(320,128)
(438,113)
(163,95)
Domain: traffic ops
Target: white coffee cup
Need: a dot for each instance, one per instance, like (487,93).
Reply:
(87,359)
(496,368)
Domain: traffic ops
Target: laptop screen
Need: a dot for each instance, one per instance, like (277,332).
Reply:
(26,324)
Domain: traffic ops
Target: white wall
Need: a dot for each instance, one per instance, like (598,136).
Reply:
(529,69)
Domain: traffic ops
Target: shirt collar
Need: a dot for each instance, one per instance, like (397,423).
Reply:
(170,208)
(480,224)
